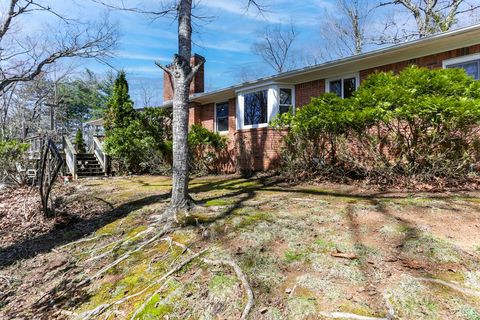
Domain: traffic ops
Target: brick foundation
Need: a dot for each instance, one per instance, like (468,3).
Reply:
(258,149)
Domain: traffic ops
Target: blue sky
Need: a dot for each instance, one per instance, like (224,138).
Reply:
(225,40)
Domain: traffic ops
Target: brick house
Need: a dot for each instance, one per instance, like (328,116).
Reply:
(243,111)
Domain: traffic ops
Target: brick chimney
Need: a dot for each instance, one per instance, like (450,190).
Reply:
(197,85)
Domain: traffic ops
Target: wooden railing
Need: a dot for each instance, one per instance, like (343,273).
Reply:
(70,156)
(100,154)
(36,143)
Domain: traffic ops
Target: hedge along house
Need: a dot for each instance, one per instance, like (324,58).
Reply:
(242,112)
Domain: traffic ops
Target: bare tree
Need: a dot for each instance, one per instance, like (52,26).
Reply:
(26,105)
(275,47)
(25,56)
(6,101)
(344,34)
(182,74)
(430,16)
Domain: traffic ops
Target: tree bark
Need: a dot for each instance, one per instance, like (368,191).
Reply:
(182,74)
(180,198)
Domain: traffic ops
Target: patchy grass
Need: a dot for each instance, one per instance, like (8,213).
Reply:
(288,240)
(411,300)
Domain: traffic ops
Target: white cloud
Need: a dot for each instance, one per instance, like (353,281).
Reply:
(305,13)
(143,70)
(226,45)
(140,56)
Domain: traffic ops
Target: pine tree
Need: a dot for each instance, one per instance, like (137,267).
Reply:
(79,142)
(120,110)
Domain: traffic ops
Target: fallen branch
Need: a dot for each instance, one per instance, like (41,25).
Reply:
(243,279)
(168,274)
(350,256)
(453,286)
(344,315)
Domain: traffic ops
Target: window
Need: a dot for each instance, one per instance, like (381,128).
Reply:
(221,117)
(255,108)
(285,100)
(344,87)
(470,63)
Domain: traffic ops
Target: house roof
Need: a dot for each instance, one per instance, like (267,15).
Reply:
(442,42)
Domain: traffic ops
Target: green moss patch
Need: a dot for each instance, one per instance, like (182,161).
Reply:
(301,307)
(219,202)
(222,286)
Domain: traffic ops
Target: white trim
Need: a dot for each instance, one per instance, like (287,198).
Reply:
(273,104)
(255,88)
(343,77)
(462,59)
(241,108)
(291,87)
(215,117)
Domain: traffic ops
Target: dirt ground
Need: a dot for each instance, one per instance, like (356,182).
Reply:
(308,251)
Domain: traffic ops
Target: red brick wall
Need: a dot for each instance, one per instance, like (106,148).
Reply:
(232,116)
(433,61)
(194,114)
(304,92)
(207,116)
(258,149)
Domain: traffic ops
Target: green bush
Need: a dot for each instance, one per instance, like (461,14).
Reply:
(144,145)
(79,142)
(138,142)
(315,132)
(12,153)
(420,124)
(206,148)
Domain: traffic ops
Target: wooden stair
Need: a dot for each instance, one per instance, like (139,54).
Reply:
(88,166)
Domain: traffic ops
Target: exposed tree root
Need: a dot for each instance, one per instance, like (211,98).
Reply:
(453,286)
(118,244)
(102,308)
(344,315)
(168,274)
(165,230)
(82,241)
(243,279)
(178,244)
(238,271)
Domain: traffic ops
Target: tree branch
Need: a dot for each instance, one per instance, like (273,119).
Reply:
(122,7)
(166,69)
(194,70)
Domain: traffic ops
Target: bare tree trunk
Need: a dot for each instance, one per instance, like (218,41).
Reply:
(182,74)
(180,199)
